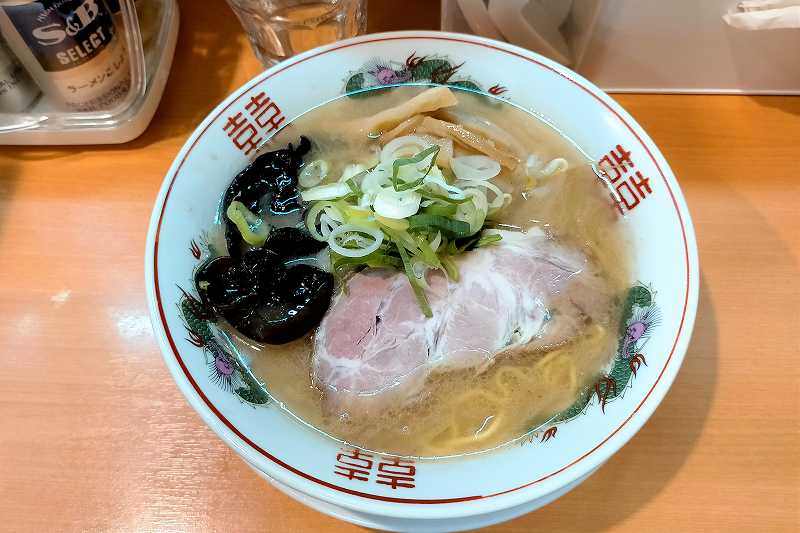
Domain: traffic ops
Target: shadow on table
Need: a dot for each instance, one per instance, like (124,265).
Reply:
(788,104)
(625,483)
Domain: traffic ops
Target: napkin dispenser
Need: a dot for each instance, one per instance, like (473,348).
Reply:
(683,46)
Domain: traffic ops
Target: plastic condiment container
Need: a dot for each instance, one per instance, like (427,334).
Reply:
(100,84)
(17,89)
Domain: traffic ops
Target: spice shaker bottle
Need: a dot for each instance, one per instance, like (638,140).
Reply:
(72,50)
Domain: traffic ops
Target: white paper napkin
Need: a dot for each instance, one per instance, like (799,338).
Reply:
(764,15)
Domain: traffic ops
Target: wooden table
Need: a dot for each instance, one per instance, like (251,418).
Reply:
(95,436)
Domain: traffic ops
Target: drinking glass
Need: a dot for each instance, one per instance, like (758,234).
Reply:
(278,29)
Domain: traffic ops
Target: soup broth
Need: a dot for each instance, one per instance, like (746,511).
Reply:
(473,409)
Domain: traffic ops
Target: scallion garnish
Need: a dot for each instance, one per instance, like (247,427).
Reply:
(400,185)
(450,226)
(393,216)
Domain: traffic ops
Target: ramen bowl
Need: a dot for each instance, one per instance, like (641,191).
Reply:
(449,494)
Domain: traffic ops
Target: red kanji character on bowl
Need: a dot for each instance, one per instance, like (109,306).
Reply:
(397,473)
(353,464)
(619,166)
(243,134)
(631,192)
(265,112)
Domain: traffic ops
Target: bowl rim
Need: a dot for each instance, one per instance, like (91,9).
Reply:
(427,508)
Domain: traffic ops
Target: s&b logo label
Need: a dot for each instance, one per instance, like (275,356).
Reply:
(63,34)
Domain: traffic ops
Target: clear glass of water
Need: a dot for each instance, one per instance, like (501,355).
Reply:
(278,29)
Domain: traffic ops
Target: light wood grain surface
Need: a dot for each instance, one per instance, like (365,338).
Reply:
(94,435)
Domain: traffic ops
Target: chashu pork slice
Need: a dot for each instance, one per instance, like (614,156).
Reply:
(376,347)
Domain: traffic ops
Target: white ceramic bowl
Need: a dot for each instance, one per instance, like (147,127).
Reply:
(448,494)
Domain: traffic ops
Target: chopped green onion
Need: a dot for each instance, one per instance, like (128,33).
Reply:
(402,238)
(468,244)
(356,170)
(403,214)
(439,209)
(363,246)
(442,198)
(450,267)
(488,239)
(376,259)
(393,223)
(313,215)
(254,231)
(453,248)
(351,182)
(331,191)
(476,241)
(396,205)
(471,214)
(412,279)
(399,185)
(456,228)
(427,254)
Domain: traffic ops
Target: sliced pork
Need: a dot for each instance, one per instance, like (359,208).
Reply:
(526,292)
